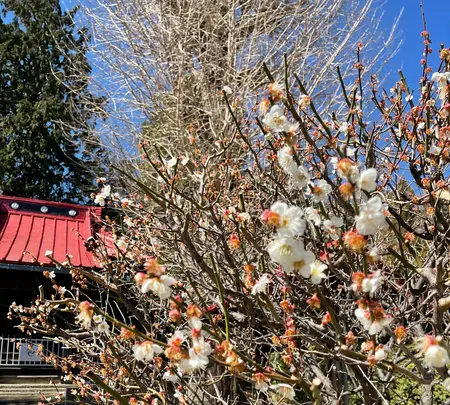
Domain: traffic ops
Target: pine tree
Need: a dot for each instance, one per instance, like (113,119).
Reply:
(47,113)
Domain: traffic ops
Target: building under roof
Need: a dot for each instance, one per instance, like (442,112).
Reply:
(29,228)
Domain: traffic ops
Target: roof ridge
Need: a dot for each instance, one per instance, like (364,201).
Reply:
(46,202)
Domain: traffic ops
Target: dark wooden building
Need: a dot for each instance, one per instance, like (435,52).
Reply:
(29,228)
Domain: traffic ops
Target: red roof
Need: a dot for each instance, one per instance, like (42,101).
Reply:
(35,226)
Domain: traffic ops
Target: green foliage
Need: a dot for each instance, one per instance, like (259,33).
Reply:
(47,148)
(407,392)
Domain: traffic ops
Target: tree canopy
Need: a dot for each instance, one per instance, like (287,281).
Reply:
(47,113)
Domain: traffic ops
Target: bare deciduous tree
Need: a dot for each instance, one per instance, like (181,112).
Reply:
(163,63)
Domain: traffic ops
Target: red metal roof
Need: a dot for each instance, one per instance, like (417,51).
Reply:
(25,226)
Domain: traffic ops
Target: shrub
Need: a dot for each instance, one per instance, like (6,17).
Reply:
(305,260)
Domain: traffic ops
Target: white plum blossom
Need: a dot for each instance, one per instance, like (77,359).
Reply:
(286,160)
(178,337)
(304,101)
(170,376)
(374,254)
(446,384)
(371,217)
(436,356)
(100,200)
(97,318)
(180,397)
(332,226)
(313,215)
(238,316)
(434,150)
(243,216)
(198,357)
(106,191)
(101,197)
(195,323)
(86,312)
(261,385)
(290,221)
(344,127)
(374,327)
(321,190)
(368,180)
(348,151)
(103,327)
(122,243)
(282,392)
(380,354)
(317,272)
(200,347)
(185,366)
(363,316)
(261,285)
(172,162)
(145,351)
(378,325)
(334,162)
(128,222)
(291,255)
(125,201)
(442,80)
(159,286)
(300,177)
(275,120)
(275,89)
(370,284)
(348,170)
(227,90)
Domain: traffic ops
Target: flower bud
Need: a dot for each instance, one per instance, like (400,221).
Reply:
(400,333)
(350,339)
(234,242)
(275,91)
(347,169)
(354,241)
(346,190)
(314,302)
(175,315)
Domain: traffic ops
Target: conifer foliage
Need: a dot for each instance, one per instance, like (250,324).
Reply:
(47,113)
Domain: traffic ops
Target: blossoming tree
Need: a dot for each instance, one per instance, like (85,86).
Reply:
(304,260)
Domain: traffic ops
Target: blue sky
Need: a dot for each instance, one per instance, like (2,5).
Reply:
(437,14)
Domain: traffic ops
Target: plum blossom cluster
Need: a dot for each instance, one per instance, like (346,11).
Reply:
(286,249)
(197,357)
(434,351)
(155,280)
(318,273)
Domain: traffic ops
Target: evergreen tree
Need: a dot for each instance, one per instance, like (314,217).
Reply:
(47,113)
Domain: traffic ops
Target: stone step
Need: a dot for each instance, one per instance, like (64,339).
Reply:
(30,391)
